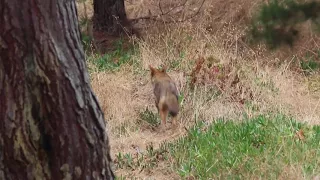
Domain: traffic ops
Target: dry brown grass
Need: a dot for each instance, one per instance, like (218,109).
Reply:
(216,33)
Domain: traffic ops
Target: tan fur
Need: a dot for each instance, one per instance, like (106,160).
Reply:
(166,95)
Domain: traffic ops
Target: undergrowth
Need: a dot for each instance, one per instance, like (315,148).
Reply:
(310,62)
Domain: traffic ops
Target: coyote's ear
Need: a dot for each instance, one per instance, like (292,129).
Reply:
(164,68)
(153,70)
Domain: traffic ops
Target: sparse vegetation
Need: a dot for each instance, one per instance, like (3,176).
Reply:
(141,160)
(149,117)
(310,63)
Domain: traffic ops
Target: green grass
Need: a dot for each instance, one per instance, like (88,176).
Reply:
(260,148)
(309,66)
(113,60)
(256,148)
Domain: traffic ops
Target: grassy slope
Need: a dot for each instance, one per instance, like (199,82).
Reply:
(257,146)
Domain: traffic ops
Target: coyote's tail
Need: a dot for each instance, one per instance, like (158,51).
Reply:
(170,103)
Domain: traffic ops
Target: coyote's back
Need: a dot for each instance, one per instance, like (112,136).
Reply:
(166,94)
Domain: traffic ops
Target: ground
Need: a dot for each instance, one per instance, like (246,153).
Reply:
(235,81)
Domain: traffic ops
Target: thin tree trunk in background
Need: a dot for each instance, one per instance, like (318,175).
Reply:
(51,125)
(110,15)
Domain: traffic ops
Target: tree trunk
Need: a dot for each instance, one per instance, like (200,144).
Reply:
(51,125)
(110,15)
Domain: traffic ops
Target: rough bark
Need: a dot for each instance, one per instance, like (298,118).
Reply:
(51,125)
(110,16)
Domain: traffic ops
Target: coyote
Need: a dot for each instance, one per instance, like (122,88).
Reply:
(166,94)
